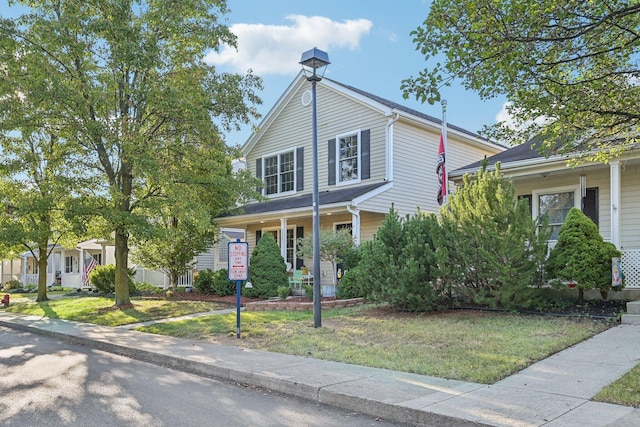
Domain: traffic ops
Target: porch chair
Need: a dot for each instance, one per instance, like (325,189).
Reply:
(295,280)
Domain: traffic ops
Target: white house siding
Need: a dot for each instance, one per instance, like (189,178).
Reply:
(415,182)
(630,213)
(369,224)
(337,114)
(206,260)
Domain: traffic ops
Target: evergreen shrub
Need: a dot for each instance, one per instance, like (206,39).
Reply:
(214,282)
(488,250)
(581,256)
(349,287)
(268,270)
(103,278)
(396,267)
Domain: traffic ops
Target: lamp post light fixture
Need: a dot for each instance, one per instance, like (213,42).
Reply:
(312,60)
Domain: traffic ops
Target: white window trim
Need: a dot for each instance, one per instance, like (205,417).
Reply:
(278,230)
(293,150)
(535,194)
(357,132)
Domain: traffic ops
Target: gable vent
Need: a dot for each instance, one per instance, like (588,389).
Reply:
(306,98)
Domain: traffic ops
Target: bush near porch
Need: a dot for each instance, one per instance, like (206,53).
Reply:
(485,250)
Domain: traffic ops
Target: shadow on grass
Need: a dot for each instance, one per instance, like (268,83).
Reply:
(48,311)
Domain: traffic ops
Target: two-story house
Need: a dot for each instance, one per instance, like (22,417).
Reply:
(372,154)
(609,194)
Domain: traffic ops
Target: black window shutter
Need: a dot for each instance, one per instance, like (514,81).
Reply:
(590,205)
(259,173)
(258,236)
(332,162)
(365,155)
(300,169)
(299,234)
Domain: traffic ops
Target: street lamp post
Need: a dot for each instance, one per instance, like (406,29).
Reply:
(314,59)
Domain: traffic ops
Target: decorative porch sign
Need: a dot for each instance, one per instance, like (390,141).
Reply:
(238,271)
(616,272)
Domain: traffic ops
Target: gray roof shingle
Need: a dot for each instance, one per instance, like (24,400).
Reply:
(342,195)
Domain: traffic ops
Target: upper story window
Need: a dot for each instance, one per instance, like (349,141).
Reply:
(348,157)
(279,173)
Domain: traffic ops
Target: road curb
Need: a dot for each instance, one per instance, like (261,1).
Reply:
(291,387)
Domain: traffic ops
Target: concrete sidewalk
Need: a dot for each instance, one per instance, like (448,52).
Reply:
(554,392)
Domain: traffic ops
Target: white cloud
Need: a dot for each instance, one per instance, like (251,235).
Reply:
(276,49)
(504,116)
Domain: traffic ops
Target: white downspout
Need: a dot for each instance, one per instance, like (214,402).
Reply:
(355,224)
(283,238)
(389,147)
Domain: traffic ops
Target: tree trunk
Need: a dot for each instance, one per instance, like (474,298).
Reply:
(42,274)
(173,280)
(122,267)
(580,297)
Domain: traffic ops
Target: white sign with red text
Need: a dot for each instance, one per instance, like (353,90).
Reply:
(238,261)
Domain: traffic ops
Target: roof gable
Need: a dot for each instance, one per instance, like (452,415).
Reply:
(383,106)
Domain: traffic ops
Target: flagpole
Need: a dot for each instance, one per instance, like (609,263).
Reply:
(446,157)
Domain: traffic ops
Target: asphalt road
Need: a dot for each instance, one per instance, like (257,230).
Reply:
(45,382)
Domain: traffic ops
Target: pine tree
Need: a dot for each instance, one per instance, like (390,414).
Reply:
(267,269)
(581,256)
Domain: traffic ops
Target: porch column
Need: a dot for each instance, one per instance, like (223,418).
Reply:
(614,169)
(283,238)
(355,224)
(81,260)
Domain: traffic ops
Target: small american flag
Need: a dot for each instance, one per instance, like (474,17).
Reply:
(89,264)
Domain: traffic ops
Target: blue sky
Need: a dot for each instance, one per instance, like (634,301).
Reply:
(368,43)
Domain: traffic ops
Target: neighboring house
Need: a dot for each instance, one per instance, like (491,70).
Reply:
(372,154)
(609,194)
(10,269)
(65,266)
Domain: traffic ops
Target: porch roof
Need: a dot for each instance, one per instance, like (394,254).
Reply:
(343,195)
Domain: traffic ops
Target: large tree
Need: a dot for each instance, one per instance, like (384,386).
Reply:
(570,68)
(186,227)
(128,86)
(37,212)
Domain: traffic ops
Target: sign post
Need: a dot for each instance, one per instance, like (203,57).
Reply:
(238,272)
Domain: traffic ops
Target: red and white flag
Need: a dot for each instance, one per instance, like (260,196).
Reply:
(441,165)
(441,170)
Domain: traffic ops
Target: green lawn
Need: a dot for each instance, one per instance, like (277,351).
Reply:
(98,310)
(470,346)
(625,391)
